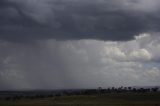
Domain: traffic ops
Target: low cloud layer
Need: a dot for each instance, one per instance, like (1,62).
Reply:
(52,64)
(28,20)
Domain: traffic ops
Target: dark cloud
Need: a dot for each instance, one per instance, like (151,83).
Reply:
(73,60)
(51,64)
(26,20)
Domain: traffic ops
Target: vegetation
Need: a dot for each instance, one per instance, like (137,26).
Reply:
(94,97)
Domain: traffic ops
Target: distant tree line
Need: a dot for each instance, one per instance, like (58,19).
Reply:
(99,90)
(120,90)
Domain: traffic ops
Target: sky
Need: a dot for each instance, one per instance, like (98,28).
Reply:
(64,44)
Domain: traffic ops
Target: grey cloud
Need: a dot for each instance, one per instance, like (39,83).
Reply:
(69,43)
(51,64)
(27,20)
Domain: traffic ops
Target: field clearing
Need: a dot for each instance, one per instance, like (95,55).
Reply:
(110,99)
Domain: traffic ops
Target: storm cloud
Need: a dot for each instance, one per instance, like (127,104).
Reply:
(51,64)
(27,20)
(59,44)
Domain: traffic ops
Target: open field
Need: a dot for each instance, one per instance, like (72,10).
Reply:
(110,99)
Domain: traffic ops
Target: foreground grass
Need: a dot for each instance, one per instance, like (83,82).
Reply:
(113,99)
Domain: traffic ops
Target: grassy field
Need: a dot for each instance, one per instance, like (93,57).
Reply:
(112,99)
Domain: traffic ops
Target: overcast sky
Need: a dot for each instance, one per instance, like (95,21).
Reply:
(57,44)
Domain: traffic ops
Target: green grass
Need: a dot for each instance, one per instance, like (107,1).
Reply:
(113,99)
